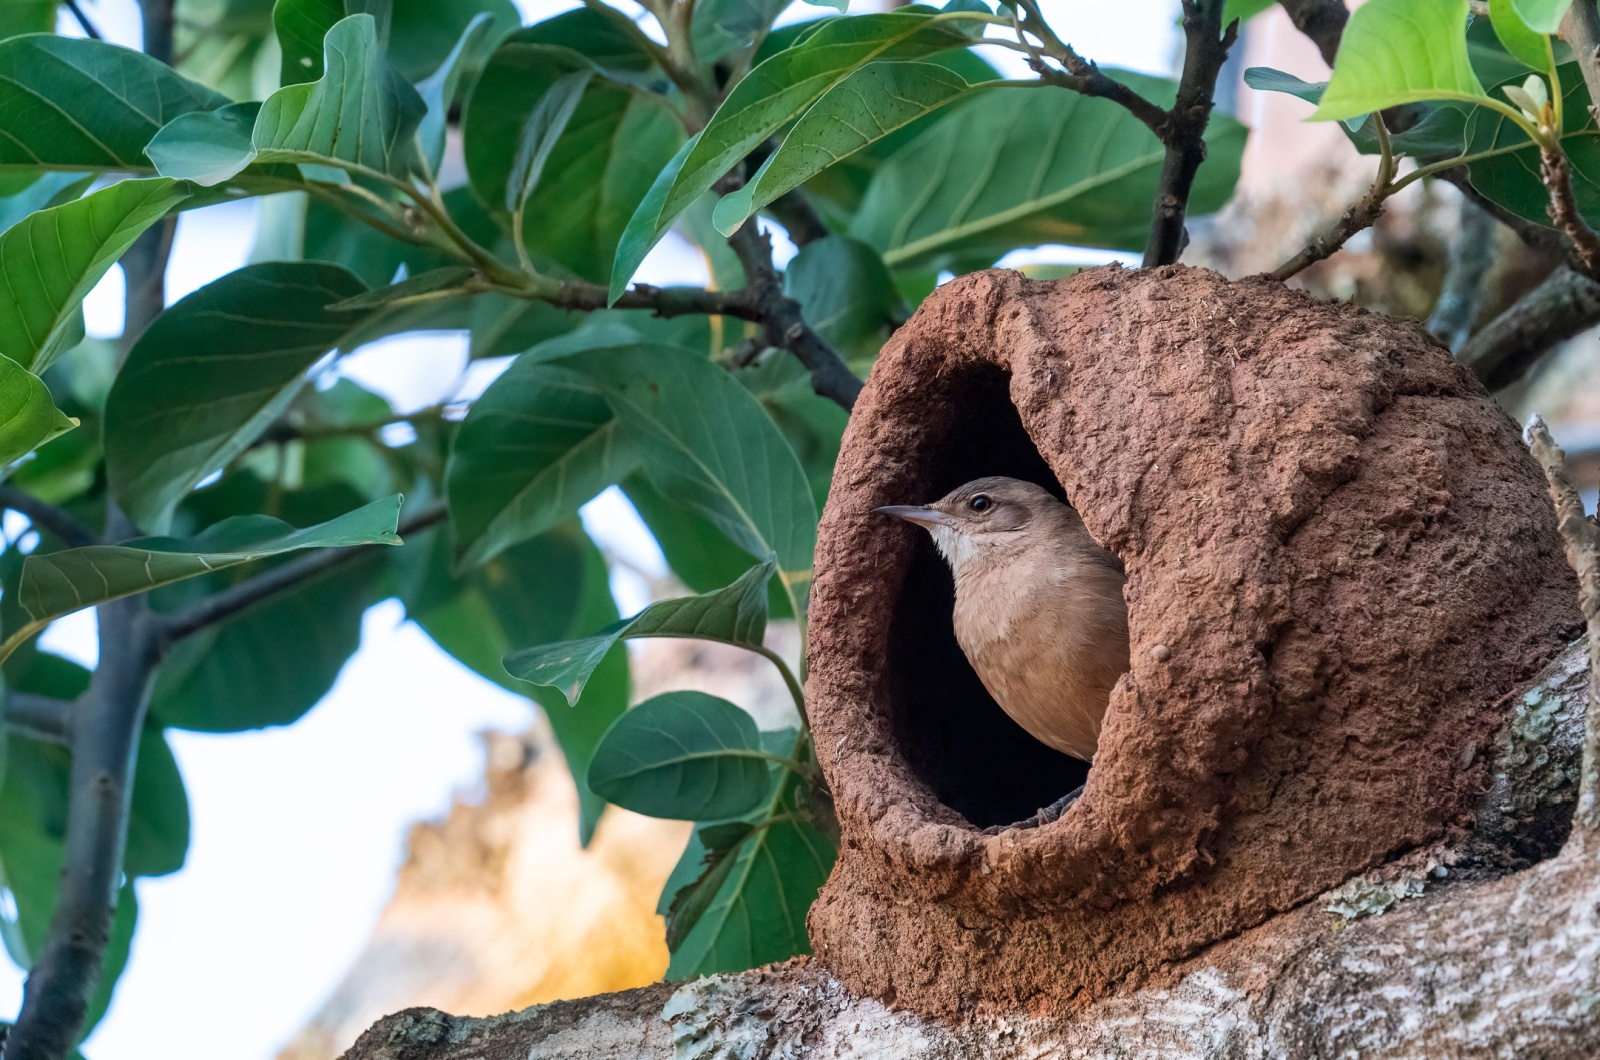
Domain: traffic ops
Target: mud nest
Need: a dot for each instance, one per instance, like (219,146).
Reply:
(1340,559)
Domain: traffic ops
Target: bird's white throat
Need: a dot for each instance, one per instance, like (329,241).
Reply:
(953,545)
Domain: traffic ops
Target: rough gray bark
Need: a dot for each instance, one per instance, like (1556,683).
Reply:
(1484,945)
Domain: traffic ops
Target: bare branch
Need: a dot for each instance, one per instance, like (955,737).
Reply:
(57,520)
(1321,20)
(1461,295)
(1358,216)
(1582,538)
(783,324)
(1077,73)
(1504,349)
(37,717)
(83,20)
(225,604)
(1205,52)
(1564,213)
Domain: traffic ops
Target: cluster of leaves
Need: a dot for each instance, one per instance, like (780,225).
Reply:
(578,143)
(1482,95)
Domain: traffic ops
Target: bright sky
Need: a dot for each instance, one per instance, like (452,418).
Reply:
(298,831)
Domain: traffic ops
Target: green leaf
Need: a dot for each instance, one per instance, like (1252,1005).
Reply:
(1022,166)
(1541,16)
(1522,42)
(545,125)
(54,258)
(554,586)
(1512,178)
(28,418)
(781,89)
(682,756)
(844,291)
(722,27)
(302,25)
(707,442)
(756,913)
(646,227)
(735,614)
(451,279)
(617,139)
(439,90)
(212,373)
(1243,10)
(1400,51)
(421,30)
(27,16)
(698,876)
(1439,132)
(63,582)
(866,106)
(537,445)
(158,817)
(68,103)
(26,193)
(361,114)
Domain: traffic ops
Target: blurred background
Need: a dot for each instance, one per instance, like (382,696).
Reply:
(413,839)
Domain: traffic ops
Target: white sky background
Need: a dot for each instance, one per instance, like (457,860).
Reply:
(298,831)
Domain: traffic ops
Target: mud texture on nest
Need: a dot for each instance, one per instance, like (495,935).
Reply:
(1339,556)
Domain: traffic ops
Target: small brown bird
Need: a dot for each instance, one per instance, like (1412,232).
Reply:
(1039,609)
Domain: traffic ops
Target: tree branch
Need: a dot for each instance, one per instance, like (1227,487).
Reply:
(37,717)
(1564,213)
(57,520)
(1580,27)
(1320,20)
(225,604)
(1205,52)
(1460,297)
(1077,73)
(105,734)
(1357,217)
(1582,538)
(783,324)
(1565,304)
(83,20)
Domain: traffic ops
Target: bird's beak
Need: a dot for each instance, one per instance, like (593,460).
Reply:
(915,513)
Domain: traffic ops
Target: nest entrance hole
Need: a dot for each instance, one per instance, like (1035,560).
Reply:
(951,732)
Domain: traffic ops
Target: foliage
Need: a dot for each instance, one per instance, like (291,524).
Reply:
(884,143)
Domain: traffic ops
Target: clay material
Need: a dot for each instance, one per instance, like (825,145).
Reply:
(1340,559)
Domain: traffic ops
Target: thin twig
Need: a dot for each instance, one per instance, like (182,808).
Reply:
(57,520)
(1205,51)
(1503,350)
(1357,217)
(1077,73)
(1563,209)
(783,323)
(83,20)
(1461,294)
(38,717)
(223,605)
(1582,539)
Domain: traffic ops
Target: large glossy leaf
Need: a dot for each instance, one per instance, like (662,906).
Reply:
(54,258)
(616,139)
(782,88)
(685,756)
(212,373)
(705,440)
(28,418)
(1022,166)
(1439,132)
(553,587)
(756,907)
(62,582)
(361,114)
(1400,51)
(539,443)
(735,614)
(1528,46)
(1542,16)
(301,26)
(68,103)
(845,292)
(866,106)
(546,124)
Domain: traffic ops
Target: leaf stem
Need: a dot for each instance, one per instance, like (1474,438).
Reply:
(795,691)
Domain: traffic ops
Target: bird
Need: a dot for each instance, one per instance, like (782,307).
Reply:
(1039,611)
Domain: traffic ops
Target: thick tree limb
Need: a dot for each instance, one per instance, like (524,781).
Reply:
(1580,27)
(37,717)
(1320,20)
(1205,52)
(1582,539)
(223,605)
(105,734)
(58,521)
(1565,304)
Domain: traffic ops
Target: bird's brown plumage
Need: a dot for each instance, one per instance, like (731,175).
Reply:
(1039,609)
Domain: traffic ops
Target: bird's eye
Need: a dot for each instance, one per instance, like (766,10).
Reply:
(980,503)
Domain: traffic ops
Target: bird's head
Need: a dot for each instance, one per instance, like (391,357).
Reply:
(985,520)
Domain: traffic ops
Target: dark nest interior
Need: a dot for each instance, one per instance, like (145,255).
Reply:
(952,733)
